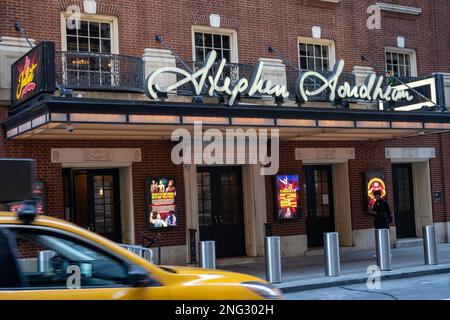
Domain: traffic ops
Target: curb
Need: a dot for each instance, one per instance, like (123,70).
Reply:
(362,279)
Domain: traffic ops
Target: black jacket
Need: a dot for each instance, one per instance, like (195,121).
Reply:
(382,214)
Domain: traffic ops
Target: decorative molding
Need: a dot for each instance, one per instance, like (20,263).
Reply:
(95,155)
(399,8)
(320,154)
(410,153)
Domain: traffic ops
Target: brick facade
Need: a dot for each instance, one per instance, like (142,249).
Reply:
(270,24)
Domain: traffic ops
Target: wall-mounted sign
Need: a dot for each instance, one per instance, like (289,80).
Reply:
(161,203)
(373,181)
(204,77)
(216,82)
(287,189)
(373,89)
(33,73)
(426,87)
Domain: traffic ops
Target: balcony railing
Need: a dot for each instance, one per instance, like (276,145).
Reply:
(99,71)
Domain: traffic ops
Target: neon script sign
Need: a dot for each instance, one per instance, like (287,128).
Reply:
(371,90)
(25,81)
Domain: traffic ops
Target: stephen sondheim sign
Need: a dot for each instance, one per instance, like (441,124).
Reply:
(373,88)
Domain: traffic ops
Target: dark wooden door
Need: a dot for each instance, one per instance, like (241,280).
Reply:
(403,200)
(104,203)
(319,194)
(220,209)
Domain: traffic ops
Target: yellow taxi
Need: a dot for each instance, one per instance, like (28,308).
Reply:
(84,265)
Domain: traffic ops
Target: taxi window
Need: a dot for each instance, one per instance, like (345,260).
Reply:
(48,260)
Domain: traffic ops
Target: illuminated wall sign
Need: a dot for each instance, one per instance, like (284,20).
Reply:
(287,189)
(161,203)
(373,181)
(33,73)
(199,78)
(426,87)
(373,88)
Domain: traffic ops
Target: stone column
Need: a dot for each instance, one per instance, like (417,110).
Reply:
(159,58)
(361,74)
(274,70)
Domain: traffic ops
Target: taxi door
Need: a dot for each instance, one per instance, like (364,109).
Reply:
(41,264)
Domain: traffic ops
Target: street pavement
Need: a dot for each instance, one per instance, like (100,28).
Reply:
(433,287)
(306,273)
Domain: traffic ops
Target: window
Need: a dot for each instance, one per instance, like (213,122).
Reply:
(206,42)
(90,44)
(91,36)
(223,41)
(316,54)
(97,268)
(400,62)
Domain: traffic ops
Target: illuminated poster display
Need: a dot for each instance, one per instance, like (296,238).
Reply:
(287,188)
(373,181)
(161,202)
(33,74)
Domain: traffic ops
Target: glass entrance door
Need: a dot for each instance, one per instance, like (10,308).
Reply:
(403,200)
(319,189)
(93,200)
(220,208)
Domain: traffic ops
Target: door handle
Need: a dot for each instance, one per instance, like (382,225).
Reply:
(221,219)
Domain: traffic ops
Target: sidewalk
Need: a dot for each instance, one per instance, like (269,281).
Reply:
(306,273)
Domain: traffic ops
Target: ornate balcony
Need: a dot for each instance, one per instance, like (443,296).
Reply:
(99,71)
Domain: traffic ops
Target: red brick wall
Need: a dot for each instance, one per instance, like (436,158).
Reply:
(156,162)
(271,23)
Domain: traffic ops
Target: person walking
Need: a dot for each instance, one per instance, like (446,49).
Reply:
(381,212)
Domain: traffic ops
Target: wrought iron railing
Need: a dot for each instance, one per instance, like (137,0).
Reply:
(99,71)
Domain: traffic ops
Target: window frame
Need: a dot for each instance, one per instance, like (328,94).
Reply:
(124,261)
(222,31)
(323,42)
(412,56)
(113,21)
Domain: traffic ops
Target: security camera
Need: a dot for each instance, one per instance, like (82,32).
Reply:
(70,128)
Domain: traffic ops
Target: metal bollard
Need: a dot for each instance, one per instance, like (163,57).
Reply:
(430,245)
(208,254)
(331,250)
(273,259)
(383,249)
(43,260)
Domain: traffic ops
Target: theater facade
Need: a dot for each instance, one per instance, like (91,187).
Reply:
(124,123)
